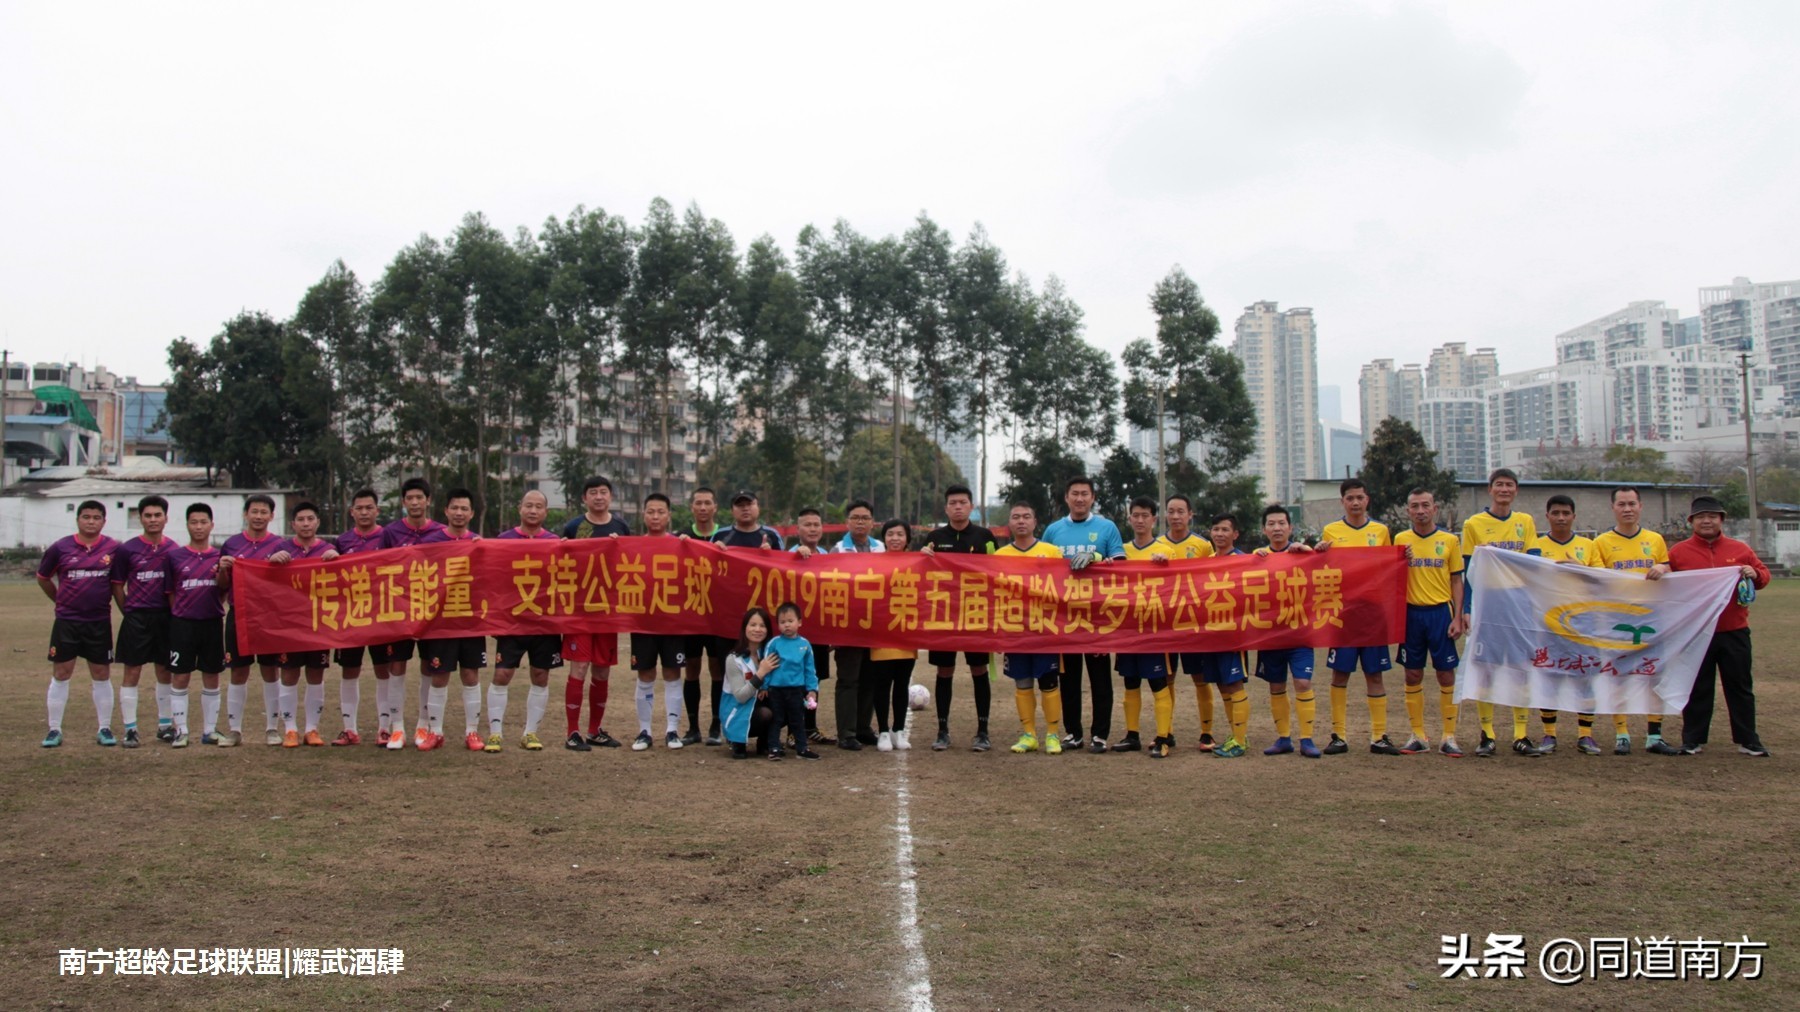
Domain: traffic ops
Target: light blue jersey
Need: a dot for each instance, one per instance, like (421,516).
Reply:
(1095,535)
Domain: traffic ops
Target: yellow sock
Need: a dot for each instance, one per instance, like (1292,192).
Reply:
(1027,700)
(1053,712)
(1237,710)
(1447,709)
(1340,702)
(1484,712)
(1308,711)
(1621,725)
(1164,704)
(1549,719)
(1134,702)
(1278,705)
(1521,722)
(1415,709)
(1203,693)
(1377,717)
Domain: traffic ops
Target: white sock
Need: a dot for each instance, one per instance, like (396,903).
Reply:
(350,700)
(315,705)
(103,702)
(396,706)
(536,702)
(381,707)
(440,697)
(471,708)
(673,703)
(287,698)
(128,704)
(209,710)
(56,701)
(271,704)
(425,701)
(496,707)
(178,707)
(164,696)
(646,702)
(236,698)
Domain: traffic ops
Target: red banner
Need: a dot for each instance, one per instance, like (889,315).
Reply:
(945,602)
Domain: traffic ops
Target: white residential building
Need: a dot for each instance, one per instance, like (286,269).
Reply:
(1279,351)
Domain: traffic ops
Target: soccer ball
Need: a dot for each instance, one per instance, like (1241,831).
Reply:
(918,697)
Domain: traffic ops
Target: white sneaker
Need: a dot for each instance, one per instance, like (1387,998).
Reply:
(884,742)
(900,742)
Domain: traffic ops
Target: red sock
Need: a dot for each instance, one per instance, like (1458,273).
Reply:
(572,703)
(596,706)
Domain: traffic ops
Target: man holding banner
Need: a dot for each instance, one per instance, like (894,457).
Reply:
(1504,528)
(1728,652)
(1630,548)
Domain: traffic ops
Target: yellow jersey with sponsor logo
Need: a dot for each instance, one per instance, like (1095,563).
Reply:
(1135,554)
(1577,549)
(1372,534)
(1037,550)
(1514,532)
(1190,547)
(1640,551)
(1435,557)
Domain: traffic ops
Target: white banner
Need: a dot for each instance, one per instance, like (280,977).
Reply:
(1587,640)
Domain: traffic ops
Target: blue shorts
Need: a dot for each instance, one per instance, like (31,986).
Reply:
(1428,632)
(1274,665)
(1215,669)
(1031,667)
(1193,664)
(1344,659)
(1135,668)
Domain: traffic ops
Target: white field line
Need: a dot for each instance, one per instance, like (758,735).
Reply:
(916,976)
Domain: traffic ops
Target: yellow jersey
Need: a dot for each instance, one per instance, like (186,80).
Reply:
(1640,551)
(1515,532)
(1190,547)
(1038,550)
(1435,558)
(1372,534)
(1577,549)
(1135,554)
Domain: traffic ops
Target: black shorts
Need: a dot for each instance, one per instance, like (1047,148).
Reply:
(196,644)
(545,651)
(143,638)
(232,660)
(947,659)
(440,657)
(650,651)
(699,645)
(352,657)
(305,659)
(398,652)
(90,641)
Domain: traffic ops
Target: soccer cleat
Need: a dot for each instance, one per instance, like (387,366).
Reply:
(1308,749)
(1130,743)
(818,737)
(981,742)
(1586,745)
(313,739)
(1232,749)
(673,740)
(272,738)
(1383,746)
(475,742)
(1160,748)
(808,754)
(381,738)
(1524,747)
(1206,743)
(396,740)
(231,739)
(1053,745)
(1622,744)
(131,738)
(166,733)
(642,742)
(600,739)
(179,741)
(493,744)
(691,738)
(1660,747)
(421,735)
(347,737)
(104,736)
(884,741)
(1755,751)
(942,742)
(290,740)
(1097,745)
(1282,746)
(1485,748)
(428,742)
(208,738)
(1452,749)
(531,742)
(1414,746)
(1027,743)
(576,743)
(1336,746)
(53,739)
(1547,744)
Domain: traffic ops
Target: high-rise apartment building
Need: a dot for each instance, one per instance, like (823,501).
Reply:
(1539,411)
(1453,422)
(1453,365)
(1763,320)
(1387,392)
(1646,324)
(1279,351)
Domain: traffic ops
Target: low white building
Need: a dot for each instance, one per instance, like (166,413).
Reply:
(39,509)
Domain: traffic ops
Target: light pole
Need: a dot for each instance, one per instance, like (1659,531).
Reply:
(1749,447)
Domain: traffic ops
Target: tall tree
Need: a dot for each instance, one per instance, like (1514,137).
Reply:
(986,320)
(333,316)
(1394,463)
(585,271)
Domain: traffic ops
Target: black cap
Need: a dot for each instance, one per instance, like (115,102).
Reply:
(743,495)
(1705,504)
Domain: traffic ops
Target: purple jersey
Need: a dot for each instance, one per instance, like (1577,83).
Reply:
(351,541)
(138,567)
(443,534)
(400,533)
(520,534)
(317,549)
(193,583)
(83,575)
(239,546)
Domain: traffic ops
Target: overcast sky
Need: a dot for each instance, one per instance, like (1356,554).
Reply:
(1414,172)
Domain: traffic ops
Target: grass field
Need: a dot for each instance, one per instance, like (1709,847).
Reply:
(680,879)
